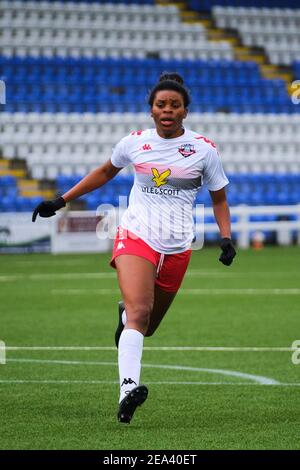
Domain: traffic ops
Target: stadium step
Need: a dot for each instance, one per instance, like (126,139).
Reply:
(44,193)
(247,54)
(188,16)
(18,173)
(177,3)
(282,73)
(4,164)
(31,188)
(15,167)
(27,187)
(216,34)
(206,22)
(28,184)
(273,71)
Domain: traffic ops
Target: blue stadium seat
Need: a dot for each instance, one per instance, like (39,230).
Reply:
(8,181)
(80,85)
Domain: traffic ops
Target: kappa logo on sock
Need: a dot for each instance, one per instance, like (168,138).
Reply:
(128,382)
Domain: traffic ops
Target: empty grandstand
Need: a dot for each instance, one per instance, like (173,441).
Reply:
(77,75)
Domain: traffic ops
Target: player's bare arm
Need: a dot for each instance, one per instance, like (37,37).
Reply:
(221,212)
(222,216)
(97,178)
(92,181)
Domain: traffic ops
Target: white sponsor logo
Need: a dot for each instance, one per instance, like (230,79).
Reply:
(120,245)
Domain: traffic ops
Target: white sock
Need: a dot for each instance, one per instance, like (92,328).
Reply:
(124,317)
(129,355)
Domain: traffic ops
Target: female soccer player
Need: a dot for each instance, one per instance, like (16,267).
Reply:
(152,247)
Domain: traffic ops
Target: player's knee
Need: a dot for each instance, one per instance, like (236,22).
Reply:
(139,313)
(150,331)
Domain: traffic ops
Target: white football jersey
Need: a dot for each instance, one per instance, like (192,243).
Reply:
(168,175)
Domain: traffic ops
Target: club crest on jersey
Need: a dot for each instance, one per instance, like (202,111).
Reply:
(160,178)
(187,150)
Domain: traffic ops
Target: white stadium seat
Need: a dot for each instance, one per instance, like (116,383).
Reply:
(102,30)
(57,141)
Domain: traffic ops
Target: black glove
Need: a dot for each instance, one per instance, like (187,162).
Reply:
(228,251)
(48,208)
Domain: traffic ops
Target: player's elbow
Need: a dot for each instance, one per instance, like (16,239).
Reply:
(218,197)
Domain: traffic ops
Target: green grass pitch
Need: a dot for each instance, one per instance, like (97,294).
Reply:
(198,399)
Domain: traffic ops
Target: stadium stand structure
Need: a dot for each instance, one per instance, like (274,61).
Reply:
(77,75)
(228,23)
(275,30)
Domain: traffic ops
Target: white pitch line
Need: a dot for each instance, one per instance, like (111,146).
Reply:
(85,291)
(152,348)
(251,291)
(54,276)
(112,274)
(52,262)
(114,382)
(257,378)
(214,272)
(231,373)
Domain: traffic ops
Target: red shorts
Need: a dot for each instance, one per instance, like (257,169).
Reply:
(170,269)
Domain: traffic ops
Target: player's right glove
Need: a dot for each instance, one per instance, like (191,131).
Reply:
(48,208)
(228,251)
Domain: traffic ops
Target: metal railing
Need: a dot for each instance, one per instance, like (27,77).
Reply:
(244,226)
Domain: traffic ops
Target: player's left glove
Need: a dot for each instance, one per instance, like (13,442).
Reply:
(48,208)
(228,251)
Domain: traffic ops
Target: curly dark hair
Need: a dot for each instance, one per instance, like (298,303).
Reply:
(170,81)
